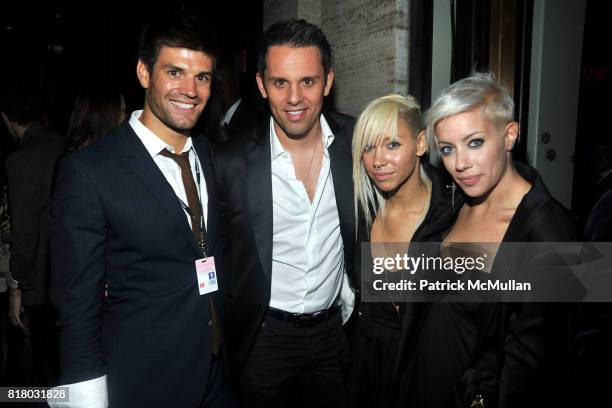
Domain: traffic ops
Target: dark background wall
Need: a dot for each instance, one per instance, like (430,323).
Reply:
(57,47)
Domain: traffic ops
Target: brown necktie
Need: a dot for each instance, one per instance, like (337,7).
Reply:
(198,228)
(191,191)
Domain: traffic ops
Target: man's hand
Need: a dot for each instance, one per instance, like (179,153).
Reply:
(16,309)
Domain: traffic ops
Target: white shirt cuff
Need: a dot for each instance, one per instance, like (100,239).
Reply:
(347,299)
(85,394)
(12,283)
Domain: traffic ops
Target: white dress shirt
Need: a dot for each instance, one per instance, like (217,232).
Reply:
(169,168)
(307,248)
(93,393)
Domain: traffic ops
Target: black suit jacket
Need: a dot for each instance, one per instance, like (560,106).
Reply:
(29,176)
(244,119)
(243,168)
(117,221)
(513,354)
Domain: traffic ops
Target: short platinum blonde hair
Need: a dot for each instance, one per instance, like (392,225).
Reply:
(480,90)
(377,121)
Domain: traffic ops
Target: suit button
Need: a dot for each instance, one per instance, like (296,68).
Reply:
(209,322)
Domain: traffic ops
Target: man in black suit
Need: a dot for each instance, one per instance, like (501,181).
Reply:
(29,172)
(137,213)
(227,113)
(287,189)
(237,114)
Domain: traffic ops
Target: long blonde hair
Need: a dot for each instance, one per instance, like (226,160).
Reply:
(379,120)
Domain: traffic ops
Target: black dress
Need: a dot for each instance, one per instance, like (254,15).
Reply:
(374,341)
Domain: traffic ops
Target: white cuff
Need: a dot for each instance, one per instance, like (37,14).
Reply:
(347,298)
(12,283)
(85,394)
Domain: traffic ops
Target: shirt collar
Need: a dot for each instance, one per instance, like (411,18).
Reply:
(151,141)
(277,148)
(227,118)
(33,128)
(328,135)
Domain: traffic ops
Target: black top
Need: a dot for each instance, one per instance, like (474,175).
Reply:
(376,357)
(439,217)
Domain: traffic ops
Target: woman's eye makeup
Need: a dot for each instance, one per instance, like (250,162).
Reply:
(445,150)
(392,144)
(368,148)
(476,142)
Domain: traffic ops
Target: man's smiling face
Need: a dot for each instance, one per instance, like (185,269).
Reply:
(295,84)
(177,89)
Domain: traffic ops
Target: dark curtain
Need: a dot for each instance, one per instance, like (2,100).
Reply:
(421,33)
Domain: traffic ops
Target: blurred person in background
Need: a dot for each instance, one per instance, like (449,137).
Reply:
(98,109)
(29,170)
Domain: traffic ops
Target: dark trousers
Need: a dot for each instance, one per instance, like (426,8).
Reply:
(218,391)
(293,366)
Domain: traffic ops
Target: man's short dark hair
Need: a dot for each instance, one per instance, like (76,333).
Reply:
(183,28)
(295,33)
(22,106)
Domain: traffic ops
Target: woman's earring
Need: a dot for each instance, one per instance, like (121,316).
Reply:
(452,187)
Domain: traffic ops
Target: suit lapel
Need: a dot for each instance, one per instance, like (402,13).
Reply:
(342,175)
(259,175)
(259,184)
(142,164)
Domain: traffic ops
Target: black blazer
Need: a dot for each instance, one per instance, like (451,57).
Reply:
(245,118)
(513,354)
(442,212)
(117,221)
(243,168)
(522,353)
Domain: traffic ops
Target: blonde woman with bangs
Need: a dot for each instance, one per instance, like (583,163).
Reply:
(399,198)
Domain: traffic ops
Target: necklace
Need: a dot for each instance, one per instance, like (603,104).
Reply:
(423,213)
(308,171)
